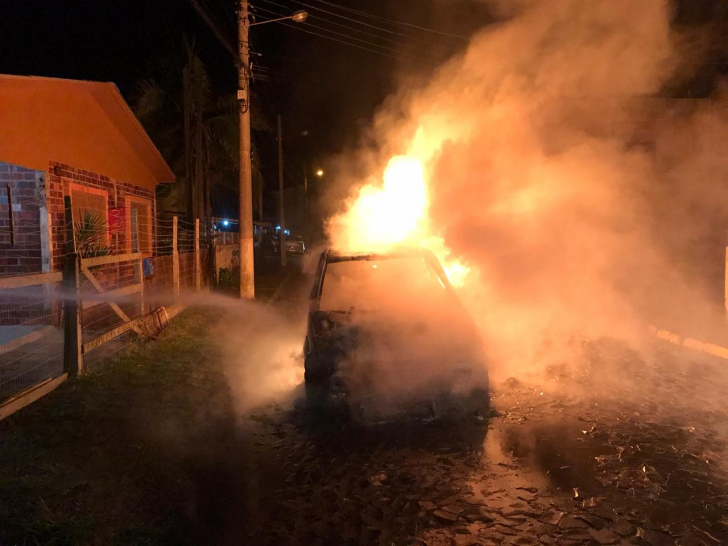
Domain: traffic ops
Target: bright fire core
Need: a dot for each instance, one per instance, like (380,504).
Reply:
(395,214)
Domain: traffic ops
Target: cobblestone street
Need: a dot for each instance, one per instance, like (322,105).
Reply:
(643,462)
(621,448)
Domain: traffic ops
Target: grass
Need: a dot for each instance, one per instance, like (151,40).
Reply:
(111,458)
(269,275)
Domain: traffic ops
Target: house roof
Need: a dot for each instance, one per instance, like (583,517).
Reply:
(85,124)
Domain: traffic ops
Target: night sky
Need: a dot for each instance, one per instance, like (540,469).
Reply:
(317,83)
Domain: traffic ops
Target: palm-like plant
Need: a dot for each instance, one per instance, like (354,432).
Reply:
(196,132)
(89,231)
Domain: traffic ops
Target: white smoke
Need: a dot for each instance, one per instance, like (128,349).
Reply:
(582,204)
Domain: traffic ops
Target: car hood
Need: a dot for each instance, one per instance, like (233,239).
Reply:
(380,336)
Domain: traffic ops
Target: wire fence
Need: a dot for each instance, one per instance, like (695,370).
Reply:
(122,288)
(31,340)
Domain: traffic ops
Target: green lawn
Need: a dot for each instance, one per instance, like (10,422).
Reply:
(119,456)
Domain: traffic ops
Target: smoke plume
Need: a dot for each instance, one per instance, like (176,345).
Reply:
(566,197)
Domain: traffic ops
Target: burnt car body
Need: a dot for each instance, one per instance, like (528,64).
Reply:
(386,334)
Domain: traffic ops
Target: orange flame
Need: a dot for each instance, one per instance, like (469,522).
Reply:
(394,214)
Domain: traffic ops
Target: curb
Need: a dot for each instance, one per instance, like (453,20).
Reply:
(690,343)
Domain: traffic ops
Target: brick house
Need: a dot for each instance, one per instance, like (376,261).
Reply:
(77,138)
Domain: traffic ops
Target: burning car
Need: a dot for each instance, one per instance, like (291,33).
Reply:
(386,334)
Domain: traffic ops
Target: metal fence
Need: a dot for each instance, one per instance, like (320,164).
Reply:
(31,339)
(57,324)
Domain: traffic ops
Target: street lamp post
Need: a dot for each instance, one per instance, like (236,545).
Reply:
(305,205)
(247,274)
(281,198)
(320,174)
(298,17)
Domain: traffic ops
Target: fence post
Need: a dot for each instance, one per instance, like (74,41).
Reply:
(213,260)
(175,257)
(198,279)
(72,340)
(141,281)
(46,252)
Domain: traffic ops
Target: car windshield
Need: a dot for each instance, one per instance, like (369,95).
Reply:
(387,283)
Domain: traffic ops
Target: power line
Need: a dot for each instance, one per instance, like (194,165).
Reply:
(359,22)
(298,27)
(225,14)
(335,15)
(392,21)
(387,52)
(398,43)
(299,61)
(285,78)
(264,95)
(216,31)
(372,44)
(345,26)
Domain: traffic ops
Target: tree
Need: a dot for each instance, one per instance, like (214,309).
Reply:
(196,132)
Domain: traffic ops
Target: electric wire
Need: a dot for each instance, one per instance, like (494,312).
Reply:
(216,31)
(385,50)
(334,32)
(367,33)
(276,77)
(342,17)
(392,21)
(327,37)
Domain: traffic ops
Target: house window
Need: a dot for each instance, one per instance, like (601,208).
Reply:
(140,224)
(90,208)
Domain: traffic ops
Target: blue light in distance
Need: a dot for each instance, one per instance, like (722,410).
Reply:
(225,223)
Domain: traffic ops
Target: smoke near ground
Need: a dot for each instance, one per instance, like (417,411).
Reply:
(261,347)
(578,203)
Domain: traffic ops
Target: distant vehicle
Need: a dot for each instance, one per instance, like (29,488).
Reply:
(294,245)
(387,335)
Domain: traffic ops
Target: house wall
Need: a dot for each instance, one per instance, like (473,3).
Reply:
(22,252)
(61,178)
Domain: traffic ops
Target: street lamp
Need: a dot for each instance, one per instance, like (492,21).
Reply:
(320,173)
(298,17)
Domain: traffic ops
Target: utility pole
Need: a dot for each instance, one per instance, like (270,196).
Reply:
(247,284)
(305,204)
(281,201)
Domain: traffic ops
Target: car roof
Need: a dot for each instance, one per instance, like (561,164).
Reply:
(333,256)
